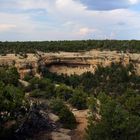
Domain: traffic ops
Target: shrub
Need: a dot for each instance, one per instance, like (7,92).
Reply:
(67,118)
(41,88)
(63,92)
(79,99)
(28,77)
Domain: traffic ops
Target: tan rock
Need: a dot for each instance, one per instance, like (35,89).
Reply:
(64,131)
(53,117)
(67,62)
(59,136)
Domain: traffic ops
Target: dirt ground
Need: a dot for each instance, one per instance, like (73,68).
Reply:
(79,132)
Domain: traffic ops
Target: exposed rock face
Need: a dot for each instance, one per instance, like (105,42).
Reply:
(78,63)
(69,63)
(24,65)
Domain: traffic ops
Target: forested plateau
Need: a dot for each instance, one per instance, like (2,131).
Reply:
(70,90)
(69,46)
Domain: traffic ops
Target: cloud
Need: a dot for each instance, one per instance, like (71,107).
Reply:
(6,27)
(16,27)
(85,31)
(68,19)
(133,1)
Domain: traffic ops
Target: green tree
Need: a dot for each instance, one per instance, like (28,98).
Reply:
(12,98)
(67,118)
(115,123)
(63,92)
(79,99)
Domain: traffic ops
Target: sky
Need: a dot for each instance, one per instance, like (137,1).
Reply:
(30,20)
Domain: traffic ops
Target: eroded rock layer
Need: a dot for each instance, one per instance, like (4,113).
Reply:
(68,63)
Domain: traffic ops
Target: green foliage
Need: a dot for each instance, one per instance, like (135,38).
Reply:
(28,77)
(114,80)
(9,75)
(91,102)
(41,88)
(79,99)
(63,92)
(56,105)
(69,46)
(37,93)
(116,123)
(12,102)
(131,101)
(11,98)
(133,105)
(66,116)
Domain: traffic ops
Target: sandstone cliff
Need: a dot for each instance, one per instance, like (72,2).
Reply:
(68,63)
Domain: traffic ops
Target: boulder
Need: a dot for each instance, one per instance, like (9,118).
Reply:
(53,117)
(60,136)
(64,131)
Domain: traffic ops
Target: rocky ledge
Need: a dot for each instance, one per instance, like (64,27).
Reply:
(68,63)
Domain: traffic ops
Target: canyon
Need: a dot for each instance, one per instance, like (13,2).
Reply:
(68,62)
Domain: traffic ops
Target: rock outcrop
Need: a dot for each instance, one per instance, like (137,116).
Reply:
(68,63)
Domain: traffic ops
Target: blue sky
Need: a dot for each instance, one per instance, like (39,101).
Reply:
(69,19)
